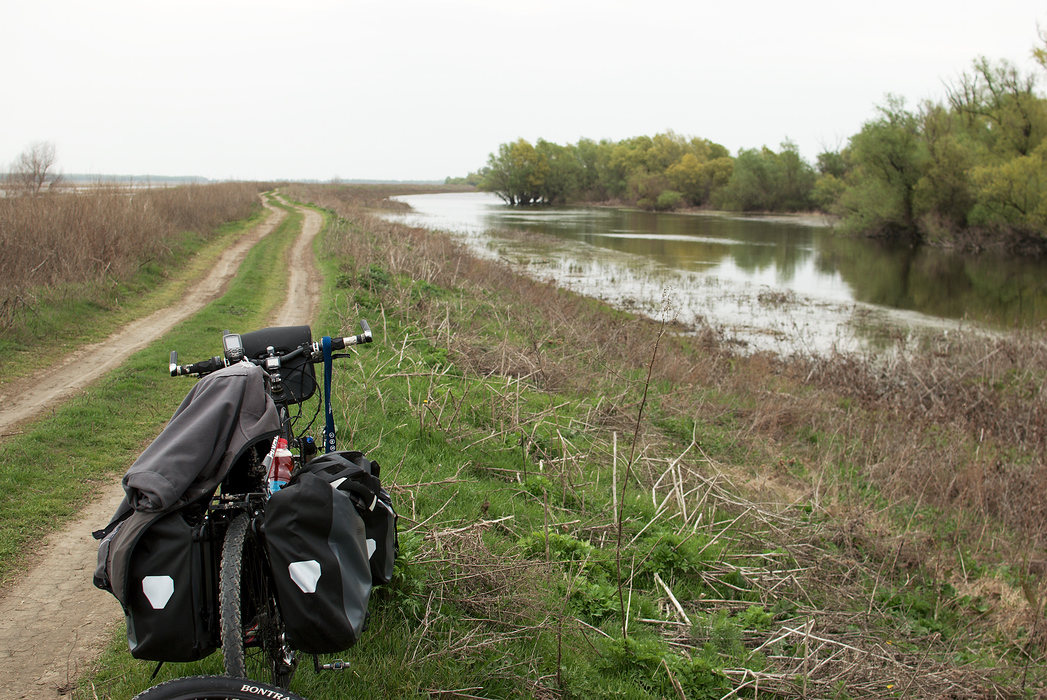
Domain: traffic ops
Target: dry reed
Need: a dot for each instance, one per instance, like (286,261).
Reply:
(61,240)
(957,426)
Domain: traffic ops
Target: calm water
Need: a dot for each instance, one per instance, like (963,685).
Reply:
(768,283)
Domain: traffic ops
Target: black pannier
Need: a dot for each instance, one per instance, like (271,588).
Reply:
(320,534)
(318,552)
(360,476)
(153,566)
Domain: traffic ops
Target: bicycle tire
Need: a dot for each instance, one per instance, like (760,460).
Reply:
(253,641)
(215,688)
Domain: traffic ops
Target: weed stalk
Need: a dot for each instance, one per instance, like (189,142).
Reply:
(620,514)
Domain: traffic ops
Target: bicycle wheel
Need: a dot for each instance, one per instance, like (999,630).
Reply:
(215,688)
(253,640)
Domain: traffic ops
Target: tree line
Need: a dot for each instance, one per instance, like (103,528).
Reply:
(966,170)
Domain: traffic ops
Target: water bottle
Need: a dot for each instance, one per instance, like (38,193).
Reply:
(280,466)
(308,449)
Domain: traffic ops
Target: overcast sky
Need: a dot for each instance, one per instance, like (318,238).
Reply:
(423,89)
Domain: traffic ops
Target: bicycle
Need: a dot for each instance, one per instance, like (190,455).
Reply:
(241,604)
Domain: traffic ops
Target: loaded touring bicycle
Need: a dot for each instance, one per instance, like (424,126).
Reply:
(237,531)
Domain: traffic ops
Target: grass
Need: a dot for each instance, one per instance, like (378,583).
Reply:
(60,460)
(771,536)
(53,243)
(59,318)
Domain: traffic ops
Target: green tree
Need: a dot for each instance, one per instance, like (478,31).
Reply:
(827,192)
(696,179)
(943,197)
(767,181)
(665,149)
(646,190)
(1000,106)
(591,158)
(794,179)
(833,163)
(627,160)
(558,172)
(1014,193)
(750,183)
(475,179)
(888,156)
(515,173)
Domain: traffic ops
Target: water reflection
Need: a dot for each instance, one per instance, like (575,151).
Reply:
(772,283)
(1004,292)
(686,242)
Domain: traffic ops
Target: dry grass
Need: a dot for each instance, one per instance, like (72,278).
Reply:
(348,197)
(925,462)
(960,422)
(58,240)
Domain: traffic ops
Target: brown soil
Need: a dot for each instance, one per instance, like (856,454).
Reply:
(303,283)
(53,621)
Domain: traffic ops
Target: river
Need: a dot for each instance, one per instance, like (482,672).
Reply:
(784,284)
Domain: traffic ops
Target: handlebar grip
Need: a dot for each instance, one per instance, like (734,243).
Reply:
(365,337)
(203,367)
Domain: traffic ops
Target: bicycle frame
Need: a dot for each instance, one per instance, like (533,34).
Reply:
(243,494)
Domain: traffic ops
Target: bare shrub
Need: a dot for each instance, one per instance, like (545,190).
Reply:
(33,169)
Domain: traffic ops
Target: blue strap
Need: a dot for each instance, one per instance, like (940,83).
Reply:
(330,444)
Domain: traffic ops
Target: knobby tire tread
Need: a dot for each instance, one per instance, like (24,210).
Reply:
(242,556)
(229,597)
(215,688)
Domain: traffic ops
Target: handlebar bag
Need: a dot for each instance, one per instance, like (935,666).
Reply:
(317,548)
(152,565)
(354,473)
(298,374)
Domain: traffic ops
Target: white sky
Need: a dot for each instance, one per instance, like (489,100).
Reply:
(423,89)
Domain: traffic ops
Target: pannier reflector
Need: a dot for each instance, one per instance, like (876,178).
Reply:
(305,574)
(158,589)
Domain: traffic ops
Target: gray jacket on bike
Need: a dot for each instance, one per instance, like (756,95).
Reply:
(222,414)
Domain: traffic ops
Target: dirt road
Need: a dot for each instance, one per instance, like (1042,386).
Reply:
(53,621)
(303,284)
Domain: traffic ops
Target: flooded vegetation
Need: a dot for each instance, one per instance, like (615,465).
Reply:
(904,497)
(785,284)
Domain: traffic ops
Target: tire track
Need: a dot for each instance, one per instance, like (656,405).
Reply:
(53,622)
(58,383)
(303,284)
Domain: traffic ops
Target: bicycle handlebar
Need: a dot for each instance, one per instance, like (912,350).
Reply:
(201,368)
(314,351)
(341,343)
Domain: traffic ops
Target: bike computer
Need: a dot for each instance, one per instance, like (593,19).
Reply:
(233,346)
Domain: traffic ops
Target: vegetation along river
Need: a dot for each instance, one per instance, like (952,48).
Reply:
(770,283)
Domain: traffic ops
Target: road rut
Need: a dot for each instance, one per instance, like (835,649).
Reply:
(53,622)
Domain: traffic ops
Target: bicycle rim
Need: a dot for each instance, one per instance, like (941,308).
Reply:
(253,640)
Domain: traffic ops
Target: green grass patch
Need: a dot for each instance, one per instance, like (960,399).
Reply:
(503,425)
(63,320)
(58,461)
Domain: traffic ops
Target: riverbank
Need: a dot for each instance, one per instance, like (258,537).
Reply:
(822,527)
(815,219)
(919,471)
